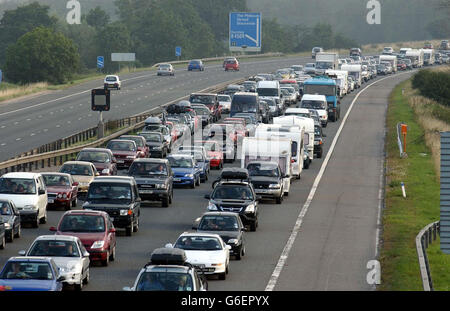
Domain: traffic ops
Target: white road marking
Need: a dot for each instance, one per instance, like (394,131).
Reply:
(287,248)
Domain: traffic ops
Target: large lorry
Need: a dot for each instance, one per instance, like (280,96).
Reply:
(391,59)
(416,57)
(326,60)
(355,71)
(271,150)
(323,85)
(428,57)
(295,133)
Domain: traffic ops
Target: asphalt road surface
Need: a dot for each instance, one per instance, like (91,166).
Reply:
(29,123)
(334,243)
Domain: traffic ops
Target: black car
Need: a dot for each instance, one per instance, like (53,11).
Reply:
(210,100)
(264,111)
(318,140)
(204,112)
(2,235)
(226,224)
(154,179)
(119,197)
(10,216)
(267,179)
(157,145)
(237,197)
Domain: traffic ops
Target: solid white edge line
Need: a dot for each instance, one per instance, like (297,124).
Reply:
(287,248)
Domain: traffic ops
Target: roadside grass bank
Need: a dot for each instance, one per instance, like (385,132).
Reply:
(404,218)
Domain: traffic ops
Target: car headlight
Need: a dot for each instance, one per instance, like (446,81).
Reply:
(98,244)
(274,186)
(189,175)
(161,186)
(30,207)
(7,225)
(217,264)
(105,171)
(64,195)
(250,208)
(59,195)
(212,207)
(131,157)
(233,241)
(124,212)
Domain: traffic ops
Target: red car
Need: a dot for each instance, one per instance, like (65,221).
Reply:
(173,131)
(141,144)
(401,66)
(102,158)
(232,64)
(214,153)
(95,230)
(62,190)
(125,152)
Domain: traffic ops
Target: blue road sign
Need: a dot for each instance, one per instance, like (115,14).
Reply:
(178,51)
(245,31)
(100,62)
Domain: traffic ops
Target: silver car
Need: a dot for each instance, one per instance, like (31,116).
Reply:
(165,70)
(68,253)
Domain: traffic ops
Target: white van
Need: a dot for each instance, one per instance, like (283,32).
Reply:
(29,194)
(307,123)
(316,102)
(270,89)
(295,133)
(276,150)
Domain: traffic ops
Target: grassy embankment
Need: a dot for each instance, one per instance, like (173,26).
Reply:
(404,218)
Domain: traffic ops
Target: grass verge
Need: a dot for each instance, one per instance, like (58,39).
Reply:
(404,218)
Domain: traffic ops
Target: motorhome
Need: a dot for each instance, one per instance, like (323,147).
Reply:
(341,78)
(391,59)
(355,72)
(428,57)
(416,57)
(270,150)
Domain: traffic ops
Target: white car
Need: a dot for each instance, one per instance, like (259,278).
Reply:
(112,82)
(388,50)
(207,251)
(165,70)
(318,103)
(225,103)
(299,112)
(310,68)
(28,192)
(68,253)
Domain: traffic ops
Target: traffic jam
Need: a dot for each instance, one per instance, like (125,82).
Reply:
(260,135)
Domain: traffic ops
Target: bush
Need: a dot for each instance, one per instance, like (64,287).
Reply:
(434,85)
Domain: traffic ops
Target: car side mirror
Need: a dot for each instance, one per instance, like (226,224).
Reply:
(244,229)
(114,160)
(228,247)
(75,184)
(168,245)
(52,229)
(207,196)
(127,289)
(61,278)
(41,191)
(86,254)
(112,230)
(22,253)
(97,174)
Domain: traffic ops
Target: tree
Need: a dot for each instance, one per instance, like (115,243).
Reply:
(41,55)
(114,38)
(97,18)
(16,23)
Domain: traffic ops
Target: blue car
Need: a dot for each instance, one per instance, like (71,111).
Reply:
(196,64)
(30,274)
(186,170)
(201,161)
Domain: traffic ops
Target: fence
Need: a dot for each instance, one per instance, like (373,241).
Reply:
(425,237)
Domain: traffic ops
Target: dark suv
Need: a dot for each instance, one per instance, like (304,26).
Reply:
(210,100)
(238,197)
(154,179)
(267,179)
(119,197)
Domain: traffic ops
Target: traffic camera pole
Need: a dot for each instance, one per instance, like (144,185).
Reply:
(101,126)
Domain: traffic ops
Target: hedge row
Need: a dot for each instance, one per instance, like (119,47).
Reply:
(434,85)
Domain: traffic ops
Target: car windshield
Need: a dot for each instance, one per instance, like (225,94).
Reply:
(232,192)
(164,67)
(267,91)
(218,223)
(5,209)
(147,169)
(93,156)
(194,62)
(154,137)
(121,146)
(180,162)
(329,90)
(298,114)
(201,111)
(137,140)
(56,180)
(313,104)
(224,98)
(54,248)
(77,169)
(82,223)
(17,186)
(197,155)
(263,169)
(109,192)
(111,79)
(198,243)
(164,281)
(27,270)
(202,99)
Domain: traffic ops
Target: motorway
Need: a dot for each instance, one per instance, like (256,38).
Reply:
(339,225)
(37,120)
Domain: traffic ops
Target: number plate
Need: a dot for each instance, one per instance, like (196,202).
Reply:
(261,190)
(146,191)
(177,179)
(51,201)
(120,161)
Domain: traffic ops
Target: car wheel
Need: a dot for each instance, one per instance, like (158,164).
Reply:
(136,226)
(43,220)
(319,154)
(10,236)
(75,202)
(253,226)
(222,276)
(88,277)
(105,262)
(19,232)
(79,287)
(67,206)
(198,181)
(206,176)
(35,223)
(193,184)
(279,200)
(2,246)
(112,257)
(239,256)
(129,230)
(165,202)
